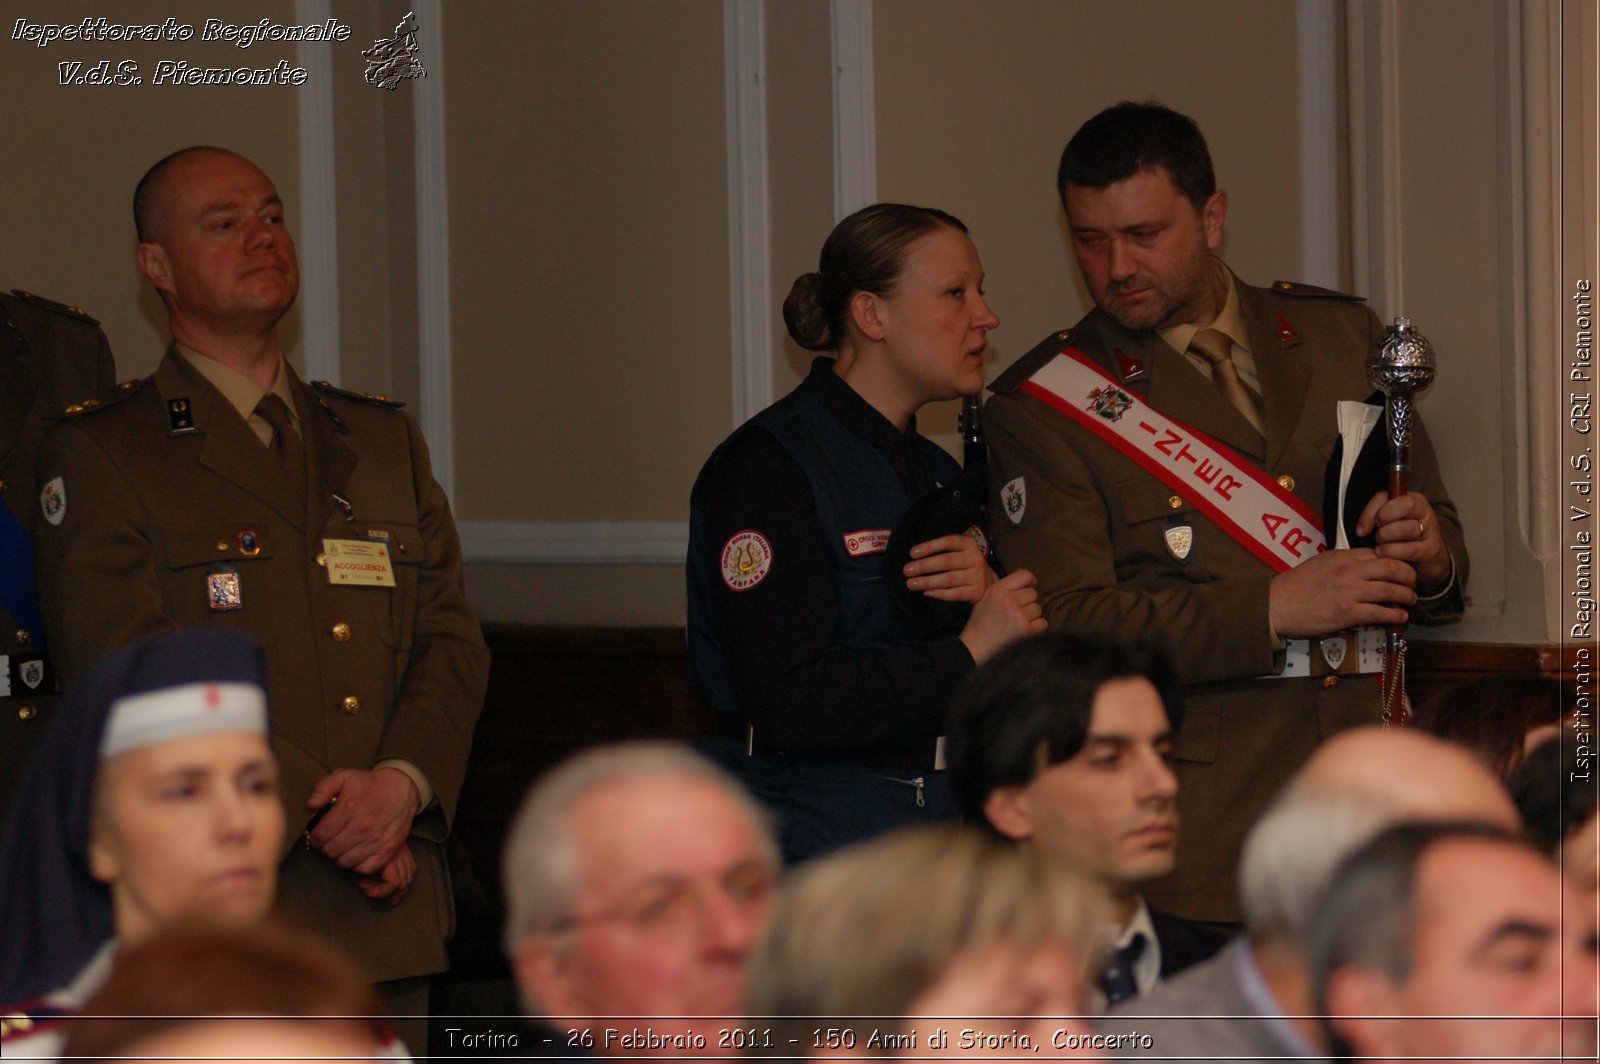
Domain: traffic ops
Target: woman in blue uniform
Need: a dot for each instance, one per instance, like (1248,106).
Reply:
(832,694)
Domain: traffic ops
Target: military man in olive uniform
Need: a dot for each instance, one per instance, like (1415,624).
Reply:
(1163,467)
(51,356)
(224,491)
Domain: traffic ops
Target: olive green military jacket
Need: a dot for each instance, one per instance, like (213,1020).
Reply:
(171,513)
(1092,526)
(50,357)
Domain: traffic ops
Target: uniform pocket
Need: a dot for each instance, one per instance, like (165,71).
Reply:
(405,555)
(212,542)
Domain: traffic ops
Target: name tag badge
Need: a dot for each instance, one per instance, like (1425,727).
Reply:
(358,562)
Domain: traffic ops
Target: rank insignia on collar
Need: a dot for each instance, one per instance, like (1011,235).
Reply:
(1130,368)
(1179,538)
(1286,331)
(180,415)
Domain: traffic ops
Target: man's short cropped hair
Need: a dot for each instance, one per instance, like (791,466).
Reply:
(1367,911)
(540,866)
(144,194)
(1029,707)
(1122,140)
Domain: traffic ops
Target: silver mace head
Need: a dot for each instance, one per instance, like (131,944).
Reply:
(1401,362)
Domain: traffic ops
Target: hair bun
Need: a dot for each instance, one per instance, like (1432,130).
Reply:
(804,316)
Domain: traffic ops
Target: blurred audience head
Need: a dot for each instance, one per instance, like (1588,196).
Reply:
(1555,790)
(1356,784)
(1065,743)
(152,801)
(1501,719)
(1455,941)
(930,921)
(637,880)
(216,994)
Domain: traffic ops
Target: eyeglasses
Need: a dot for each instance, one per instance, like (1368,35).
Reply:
(668,906)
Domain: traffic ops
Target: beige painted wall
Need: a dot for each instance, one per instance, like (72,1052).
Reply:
(589,255)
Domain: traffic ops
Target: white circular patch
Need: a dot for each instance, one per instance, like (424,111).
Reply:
(53,500)
(746,560)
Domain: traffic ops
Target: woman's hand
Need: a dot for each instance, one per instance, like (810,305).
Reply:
(1008,610)
(951,569)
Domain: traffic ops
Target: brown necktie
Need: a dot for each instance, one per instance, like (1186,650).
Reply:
(1215,347)
(286,448)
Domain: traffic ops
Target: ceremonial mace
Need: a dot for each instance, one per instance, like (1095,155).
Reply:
(1400,364)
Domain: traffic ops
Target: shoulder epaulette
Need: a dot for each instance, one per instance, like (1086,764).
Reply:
(1311,291)
(363,397)
(126,390)
(51,305)
(1026,366)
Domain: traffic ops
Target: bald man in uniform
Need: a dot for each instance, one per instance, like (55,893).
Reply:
(51,356)
(224,491)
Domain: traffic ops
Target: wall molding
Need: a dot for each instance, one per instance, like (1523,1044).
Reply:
(749,205)
(749,293)
(1317,26)
(1376,245)
(433,247)
(318,246)
(855,119)
(575,542)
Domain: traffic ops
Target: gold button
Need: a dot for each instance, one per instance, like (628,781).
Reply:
(402,547)
(1175,503)
(1063,335)
(341,632)
(351,705)
(24,637)
(127,385)
(1286,482)
(27,712)
(75,408)
(1285,285)
(322,558)
(1330,681)
(90,404)
(222,544)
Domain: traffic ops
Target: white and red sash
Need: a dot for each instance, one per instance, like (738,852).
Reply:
(1250,506)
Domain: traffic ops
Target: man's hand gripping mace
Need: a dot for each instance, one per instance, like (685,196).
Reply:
(1400,365)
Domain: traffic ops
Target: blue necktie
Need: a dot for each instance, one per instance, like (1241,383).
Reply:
(1117,980)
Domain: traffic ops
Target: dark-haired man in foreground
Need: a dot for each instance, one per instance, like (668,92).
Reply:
(1162,466)
(1063,744)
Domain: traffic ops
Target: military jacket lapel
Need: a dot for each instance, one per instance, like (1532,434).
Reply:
(1178,390)
(332,461)
(1284,370)
(229,449)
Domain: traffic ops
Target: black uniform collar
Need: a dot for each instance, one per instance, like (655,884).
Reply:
(854,412)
